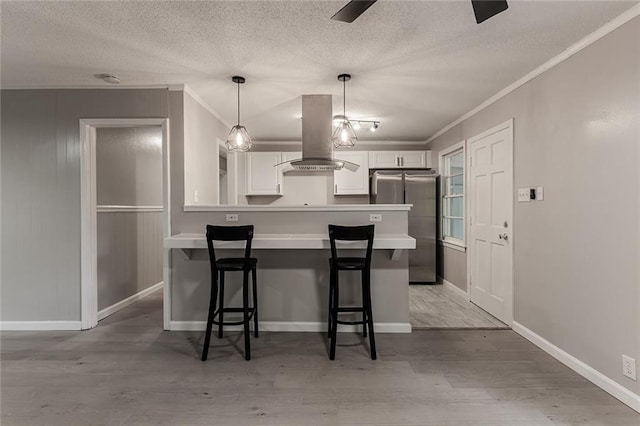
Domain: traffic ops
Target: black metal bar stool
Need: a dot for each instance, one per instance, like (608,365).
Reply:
(245,265)
(363,264)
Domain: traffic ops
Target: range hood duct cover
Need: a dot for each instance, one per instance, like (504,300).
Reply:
(317,150)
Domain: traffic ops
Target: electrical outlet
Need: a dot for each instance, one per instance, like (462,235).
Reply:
(195,196)
(375,217)
(629,367)
(232,218)
(540,193)
(524,195)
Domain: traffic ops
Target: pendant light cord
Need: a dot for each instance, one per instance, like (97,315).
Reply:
(238,84)
(344,98)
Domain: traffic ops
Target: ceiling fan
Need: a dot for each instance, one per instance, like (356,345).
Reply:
(483,9)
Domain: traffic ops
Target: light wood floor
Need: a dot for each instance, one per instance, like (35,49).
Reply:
(128,371)
(438,306)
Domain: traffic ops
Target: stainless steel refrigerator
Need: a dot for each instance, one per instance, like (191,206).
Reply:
(417,187)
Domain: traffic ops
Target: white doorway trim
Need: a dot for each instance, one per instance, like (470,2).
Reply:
(88,212)
(507,125)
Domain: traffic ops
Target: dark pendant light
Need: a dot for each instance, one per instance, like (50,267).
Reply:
(344,136)
(238,139)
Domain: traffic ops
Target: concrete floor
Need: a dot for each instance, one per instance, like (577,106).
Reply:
(128,371)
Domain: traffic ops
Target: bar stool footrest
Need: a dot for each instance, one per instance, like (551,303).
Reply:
(351,322)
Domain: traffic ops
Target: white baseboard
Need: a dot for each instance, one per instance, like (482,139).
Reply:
(454,288)
(40,325)
(594,376)
(382,327)
(128,301)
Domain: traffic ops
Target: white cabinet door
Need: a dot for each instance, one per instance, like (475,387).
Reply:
(383,160)
(399,159)
(412,159)
(262,177)
(346,182)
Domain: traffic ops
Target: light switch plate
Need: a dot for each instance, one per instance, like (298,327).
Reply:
(375,217)
(524,195)
(232,218)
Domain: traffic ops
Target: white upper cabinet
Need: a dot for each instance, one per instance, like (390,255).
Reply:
(399,159)
(262,177)
(418,159)
(346,182)
(383,159)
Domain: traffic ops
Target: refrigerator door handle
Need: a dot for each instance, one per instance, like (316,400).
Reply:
(374,184)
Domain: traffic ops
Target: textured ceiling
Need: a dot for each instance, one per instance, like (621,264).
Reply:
(416,65)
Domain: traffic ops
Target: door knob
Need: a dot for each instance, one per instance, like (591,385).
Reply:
(503,236)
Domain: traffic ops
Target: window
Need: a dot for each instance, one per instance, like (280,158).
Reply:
(452,166)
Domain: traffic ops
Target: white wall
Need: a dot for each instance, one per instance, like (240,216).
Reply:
(201,167)
(577,133)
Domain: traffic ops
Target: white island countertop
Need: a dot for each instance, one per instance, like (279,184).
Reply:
(291,241)
(298,208)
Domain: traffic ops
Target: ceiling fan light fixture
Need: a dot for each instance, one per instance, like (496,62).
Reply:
(238,139)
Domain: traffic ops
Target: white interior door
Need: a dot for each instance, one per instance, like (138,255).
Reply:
(491,222)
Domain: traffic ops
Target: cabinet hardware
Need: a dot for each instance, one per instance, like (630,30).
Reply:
(336,188)
(278,189)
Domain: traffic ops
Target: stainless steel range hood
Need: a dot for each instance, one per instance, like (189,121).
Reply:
(317,151)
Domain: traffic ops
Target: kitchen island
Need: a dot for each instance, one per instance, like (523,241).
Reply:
(291,244)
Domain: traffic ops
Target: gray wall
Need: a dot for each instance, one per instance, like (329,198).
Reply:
(452,266)
(129,254)
(41,193)
(129,166)
(128,173)
(201,133)
(577,134)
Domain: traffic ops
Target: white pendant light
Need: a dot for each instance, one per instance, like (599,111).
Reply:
(238,139)
(344,136)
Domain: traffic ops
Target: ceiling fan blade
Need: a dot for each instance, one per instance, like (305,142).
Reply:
(352,10)
(485,9)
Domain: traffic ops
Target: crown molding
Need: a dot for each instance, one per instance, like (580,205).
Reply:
(202,103)
(85,87)
(607,28)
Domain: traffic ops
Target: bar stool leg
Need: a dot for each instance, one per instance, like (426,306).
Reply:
(372,337)
(334,317)
(255,303)
(245,314)
(330,313)
(221,310)
(364,311)
(212,311)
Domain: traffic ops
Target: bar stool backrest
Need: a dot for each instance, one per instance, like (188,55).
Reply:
(351,233)
(229,233)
